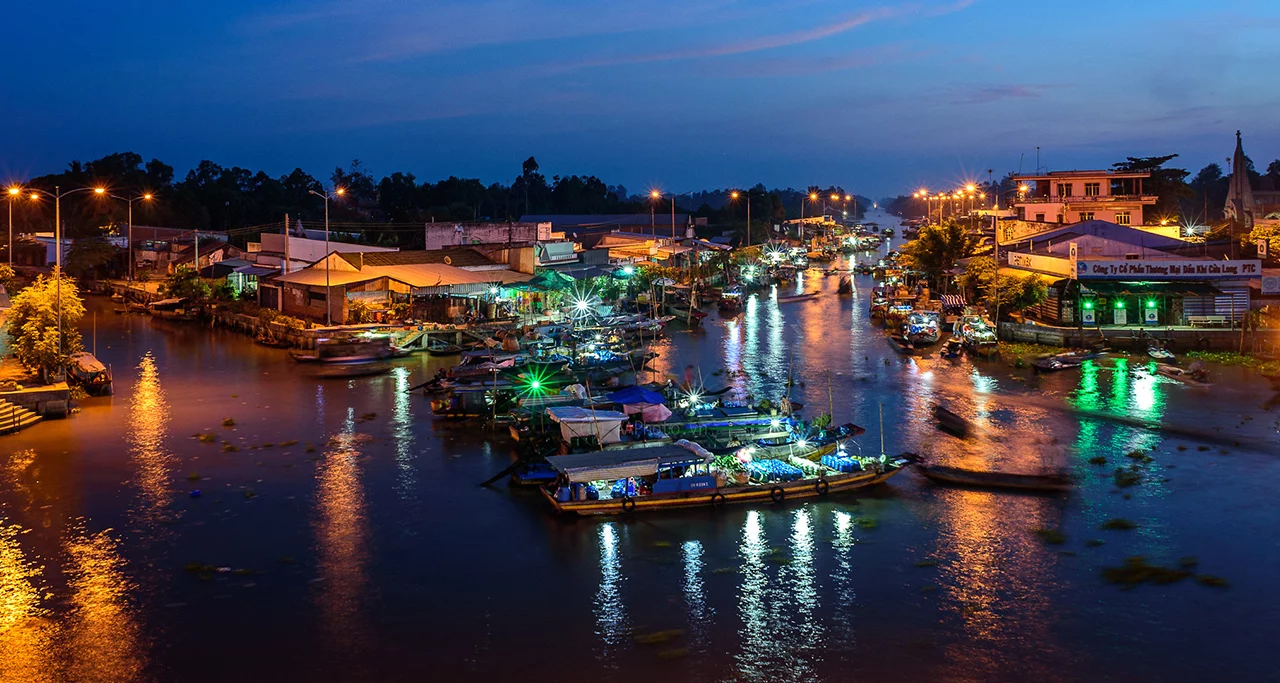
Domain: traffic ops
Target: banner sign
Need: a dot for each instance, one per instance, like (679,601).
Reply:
(1053,265)
(1169,269)
(1075,260)
(1271,284)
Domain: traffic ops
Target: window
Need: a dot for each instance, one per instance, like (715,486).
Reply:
(316,297)
(1064,189)
(1039,218)
(1092,189)
(1086,216)
(1122,218)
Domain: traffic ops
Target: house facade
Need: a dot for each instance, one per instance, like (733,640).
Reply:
(1067,197)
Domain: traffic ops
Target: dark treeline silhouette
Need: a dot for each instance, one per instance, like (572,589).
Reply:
(243,201)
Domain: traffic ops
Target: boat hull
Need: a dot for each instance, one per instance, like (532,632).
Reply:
(995,480)
(728,495)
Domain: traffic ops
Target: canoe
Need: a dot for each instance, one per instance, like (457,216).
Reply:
(995,480)
(797,297)
(950,422)
(901,344)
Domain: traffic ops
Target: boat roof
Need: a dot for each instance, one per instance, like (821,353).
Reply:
(623,463)
(576,414)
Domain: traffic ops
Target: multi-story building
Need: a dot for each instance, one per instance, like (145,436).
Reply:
(1076,196)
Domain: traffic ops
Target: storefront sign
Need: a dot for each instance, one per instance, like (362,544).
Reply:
(1075,260)
(1271,284)
(1168,269)
(1053,265)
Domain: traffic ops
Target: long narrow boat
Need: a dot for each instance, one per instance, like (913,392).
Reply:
(89,372)
(797,297)
(995,480)
(574,492)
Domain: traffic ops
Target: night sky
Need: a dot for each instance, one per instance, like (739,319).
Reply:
(678,94)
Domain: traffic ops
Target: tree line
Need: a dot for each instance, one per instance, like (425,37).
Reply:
(236,200)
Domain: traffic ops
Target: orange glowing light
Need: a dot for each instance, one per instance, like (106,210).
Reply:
(813,196)
(655,194)
(15,191)
(733,195)
(970,187)
(147,196)
(99,190)
(340,191)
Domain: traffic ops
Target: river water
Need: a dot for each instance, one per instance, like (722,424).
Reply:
(339,533)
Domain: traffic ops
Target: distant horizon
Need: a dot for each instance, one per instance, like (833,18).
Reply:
(881,99)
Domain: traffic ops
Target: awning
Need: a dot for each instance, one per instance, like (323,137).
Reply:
(1114,288)
(634,394)
(953,301)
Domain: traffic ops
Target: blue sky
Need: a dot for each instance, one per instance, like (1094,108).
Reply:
(880,97)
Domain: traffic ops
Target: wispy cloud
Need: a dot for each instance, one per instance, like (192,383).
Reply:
(995,93)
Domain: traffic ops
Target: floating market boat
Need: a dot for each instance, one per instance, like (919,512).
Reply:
(89,372)
(977,335)
(952,348)
(923,328)
(731,300)
(1049,482)
(1159,352)
(684,475)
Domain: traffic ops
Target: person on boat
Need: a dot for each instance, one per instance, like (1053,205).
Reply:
(1198,371)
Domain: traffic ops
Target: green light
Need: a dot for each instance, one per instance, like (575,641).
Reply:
(535,385)
(1088,305)
(1119,304)
(1151,303)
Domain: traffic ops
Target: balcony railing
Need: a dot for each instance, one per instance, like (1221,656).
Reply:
(1081,199)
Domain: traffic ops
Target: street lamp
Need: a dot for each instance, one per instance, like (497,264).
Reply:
(146,197)
(57,196)
(653,224)
(14,193)
(734,195)
(328,293)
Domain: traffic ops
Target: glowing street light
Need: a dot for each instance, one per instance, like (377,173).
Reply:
(328,292)
(146,197)
(734,196)
(14,193)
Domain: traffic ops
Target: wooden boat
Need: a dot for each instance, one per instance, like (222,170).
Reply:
(355,349)
(1195,378)
(678,476)
(438,348)
(351,368)
(1063,361)
(978,335)
(174,309)
(845,286)
(901,344)
(1049,482)
(952,348)
(1157,351)
(730,301)
(89,372)
(797,297)
(950,422)
(923,328)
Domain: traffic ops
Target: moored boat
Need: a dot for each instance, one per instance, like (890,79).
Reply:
(89,372)
(684,475)
(1050,482)
(797,297)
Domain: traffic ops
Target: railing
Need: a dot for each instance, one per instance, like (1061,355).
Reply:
(1082,199)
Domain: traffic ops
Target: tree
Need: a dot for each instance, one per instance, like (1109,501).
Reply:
(33,324)
(185,282)
(1007,292)
(1167,184)
(937,248)
(6,277)
(87,258)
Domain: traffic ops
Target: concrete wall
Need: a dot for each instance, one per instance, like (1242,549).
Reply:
(50,401)
(1121,339)
(441,235)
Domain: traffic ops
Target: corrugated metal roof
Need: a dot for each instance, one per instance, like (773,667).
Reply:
(415,275)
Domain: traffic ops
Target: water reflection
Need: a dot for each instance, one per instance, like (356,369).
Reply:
(26,631)
(148,429)
(104,634)
(402,432)
(803,588)
(342,533)
(611,617)
(753,604)
(694,598)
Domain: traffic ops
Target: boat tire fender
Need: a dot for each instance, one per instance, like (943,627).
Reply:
(822,487)
(628,504)
(717,500)
(777,494)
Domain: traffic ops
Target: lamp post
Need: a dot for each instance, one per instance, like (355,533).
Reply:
(57,196)
(813,197)
(654,196)
(146,197)
(14,193)
(734,195)
(328,293)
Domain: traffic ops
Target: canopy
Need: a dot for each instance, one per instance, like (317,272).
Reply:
(1113,288)
(649,412)
(634,395)
(630,462)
